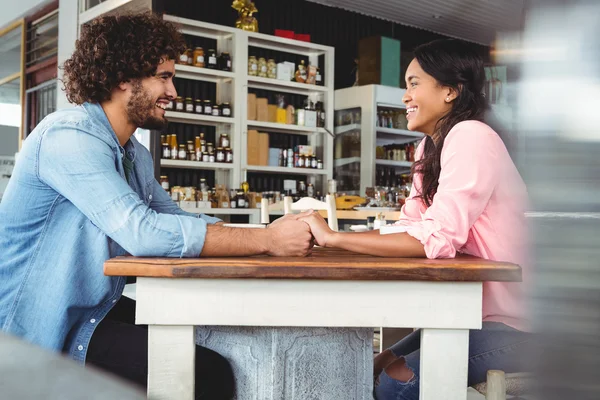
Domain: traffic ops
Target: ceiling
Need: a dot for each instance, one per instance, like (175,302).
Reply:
(473,20)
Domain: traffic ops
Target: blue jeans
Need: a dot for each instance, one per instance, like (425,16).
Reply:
(495,346)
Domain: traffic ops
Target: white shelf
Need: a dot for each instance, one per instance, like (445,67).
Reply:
(346,128)
(198,119)
(399,132)
(284,128)
(203,29)
(120,6)
(286,45)
(202,74)
(194,164)
(285,170)
(222,211)
(392,163)
(340,162)
(257,82)
(388,105)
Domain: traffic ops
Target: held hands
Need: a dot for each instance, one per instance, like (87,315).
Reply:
(290,236)
(318,226)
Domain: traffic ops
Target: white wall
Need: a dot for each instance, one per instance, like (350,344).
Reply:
(15,9)
(68,32)
(9,140)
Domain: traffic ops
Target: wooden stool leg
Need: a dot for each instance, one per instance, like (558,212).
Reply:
(496,385)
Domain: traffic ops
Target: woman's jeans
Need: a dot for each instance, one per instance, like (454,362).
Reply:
(495,346)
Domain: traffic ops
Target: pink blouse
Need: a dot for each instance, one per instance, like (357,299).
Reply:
(479,210)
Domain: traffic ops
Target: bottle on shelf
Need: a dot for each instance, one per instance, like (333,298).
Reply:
(319,78)
(300,74)
(198,148)
(174,147)
(166,152)
(244,185)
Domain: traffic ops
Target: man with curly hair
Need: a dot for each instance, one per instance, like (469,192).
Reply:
(83,191)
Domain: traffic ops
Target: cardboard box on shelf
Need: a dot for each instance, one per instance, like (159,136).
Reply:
(304,37)
(379,61)
(305,150)
(251,106)
(188,204)
(263,149)
(310,118)
(262,109)
(281,116)
(252,196)
(253,137)
(274,156)
(285,33)
(290,115)
(285,71)
(272,109)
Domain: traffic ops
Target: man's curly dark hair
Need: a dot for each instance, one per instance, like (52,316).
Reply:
(116,49)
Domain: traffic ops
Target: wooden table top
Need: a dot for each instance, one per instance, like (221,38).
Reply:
(325,264)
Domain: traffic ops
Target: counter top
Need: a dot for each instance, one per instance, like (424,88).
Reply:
(322,264)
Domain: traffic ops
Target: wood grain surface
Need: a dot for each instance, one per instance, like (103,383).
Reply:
(328,264)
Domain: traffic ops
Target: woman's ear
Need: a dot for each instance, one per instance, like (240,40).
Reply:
(451,93)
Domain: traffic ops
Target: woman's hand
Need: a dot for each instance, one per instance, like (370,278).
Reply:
(318,227)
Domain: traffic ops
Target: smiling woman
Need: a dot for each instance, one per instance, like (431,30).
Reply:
(467,197)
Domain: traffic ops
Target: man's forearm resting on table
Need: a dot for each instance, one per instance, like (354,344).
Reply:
(393,245)
(221,241)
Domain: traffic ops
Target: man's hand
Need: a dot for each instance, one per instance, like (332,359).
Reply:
(318,227)
(290,236)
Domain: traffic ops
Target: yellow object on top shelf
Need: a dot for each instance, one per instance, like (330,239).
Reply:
(348,202)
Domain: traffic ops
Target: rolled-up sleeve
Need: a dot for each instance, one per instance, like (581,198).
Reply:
(81,168)
(469,174)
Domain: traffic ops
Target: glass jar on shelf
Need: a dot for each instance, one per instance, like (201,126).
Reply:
(224,140)
(228,155)
(182,154)
(164,182)
(252,66)
(179,104)
(189,105)
(225,62)
(220,155)
(198,108)
(226,109)
(207,107)
(216,110)
(199,57)
(271,69)
(185,57)
(212,59)
(262,67)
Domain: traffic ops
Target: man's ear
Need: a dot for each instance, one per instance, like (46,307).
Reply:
(124,86)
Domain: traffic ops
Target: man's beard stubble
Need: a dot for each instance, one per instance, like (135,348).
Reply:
(140,109)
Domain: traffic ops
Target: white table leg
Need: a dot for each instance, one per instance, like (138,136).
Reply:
(171,362)
(444,364)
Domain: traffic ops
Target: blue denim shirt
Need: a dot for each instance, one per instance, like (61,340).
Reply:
(66,210)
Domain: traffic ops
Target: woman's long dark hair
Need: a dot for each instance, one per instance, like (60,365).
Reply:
(454,64)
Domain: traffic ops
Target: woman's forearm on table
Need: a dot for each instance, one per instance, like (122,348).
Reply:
(393,245)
